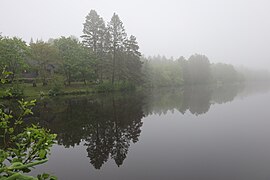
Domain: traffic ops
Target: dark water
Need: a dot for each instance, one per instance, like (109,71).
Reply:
(190,133)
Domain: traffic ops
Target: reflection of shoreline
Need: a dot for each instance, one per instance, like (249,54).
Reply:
(198,99)
(195,99)
(109,123)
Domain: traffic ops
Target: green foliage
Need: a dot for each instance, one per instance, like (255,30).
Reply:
(42,94)
(116,57)
(85,65)
(162,72)
(105,87)
(15,91)
(198,69)
(224,73)
(105,54)
(13,52)
(94,31)
(75,59)
(132,65)
(4,76)
(55,91)
(22,147)
(44,57)
(56,87)
(96,40)
(118,36)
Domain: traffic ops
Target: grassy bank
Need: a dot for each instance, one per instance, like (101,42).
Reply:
(28,90)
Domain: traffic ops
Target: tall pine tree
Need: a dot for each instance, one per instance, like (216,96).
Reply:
(133,63)
(94,37)
(118,36)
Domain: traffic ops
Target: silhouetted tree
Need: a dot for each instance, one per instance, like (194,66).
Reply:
(133,63)
(95,37)
(118,36)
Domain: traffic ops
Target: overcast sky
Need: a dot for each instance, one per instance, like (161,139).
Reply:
(230,31)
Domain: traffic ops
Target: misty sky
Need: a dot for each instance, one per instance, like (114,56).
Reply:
(230,31)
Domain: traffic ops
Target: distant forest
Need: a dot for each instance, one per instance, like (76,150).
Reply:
(108,57)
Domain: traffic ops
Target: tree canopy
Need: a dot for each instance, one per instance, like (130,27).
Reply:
(13,53)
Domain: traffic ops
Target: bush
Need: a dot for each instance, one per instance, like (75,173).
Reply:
(42,94)
(55,91)
(14,92)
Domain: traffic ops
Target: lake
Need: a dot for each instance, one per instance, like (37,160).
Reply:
(189,133)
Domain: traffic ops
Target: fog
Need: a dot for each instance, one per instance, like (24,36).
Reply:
(229,31)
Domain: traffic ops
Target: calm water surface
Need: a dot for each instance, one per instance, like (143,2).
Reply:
(190,133)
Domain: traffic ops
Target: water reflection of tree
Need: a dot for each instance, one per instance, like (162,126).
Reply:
(107,125)
(226,93)
(195,99)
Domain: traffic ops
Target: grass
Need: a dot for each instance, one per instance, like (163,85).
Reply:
(76,88)
(73,89)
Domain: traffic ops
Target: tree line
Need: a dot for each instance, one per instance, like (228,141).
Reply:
(106,55)
(197,69)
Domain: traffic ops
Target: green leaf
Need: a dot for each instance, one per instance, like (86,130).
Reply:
(53,178)
(3,156)
(26,170)
(11,130)
(45,176)
(42,153)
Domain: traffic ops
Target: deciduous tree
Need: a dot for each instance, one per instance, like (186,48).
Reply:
(13,53)
(43,55)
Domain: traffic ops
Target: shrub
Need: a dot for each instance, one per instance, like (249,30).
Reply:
(14,92)
(42,94)
(55,91)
